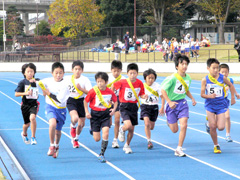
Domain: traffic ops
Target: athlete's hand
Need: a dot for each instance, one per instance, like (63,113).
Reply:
(145,96)
(238,96)
(32,80)
(28,93)
(233,101)
(193,102)
(88,115)
(212,96)
(112,112)
(46,92)
(161,111)
(79,87)
(172,104)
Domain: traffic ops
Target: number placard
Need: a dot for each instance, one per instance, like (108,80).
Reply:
(179,88)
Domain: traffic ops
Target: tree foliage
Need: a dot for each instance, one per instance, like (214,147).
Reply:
(14,24)
(75,18)
(43,28)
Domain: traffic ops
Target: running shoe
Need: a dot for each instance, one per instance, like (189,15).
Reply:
(75,143)
(217,149)
(33,141)
(150,145)
(51,151)
(72,132)
(229,139)
(115,144)
(127,149)
(207,127)
(121,134)
(179,152)
(55,154)
(25,139)
(101,158)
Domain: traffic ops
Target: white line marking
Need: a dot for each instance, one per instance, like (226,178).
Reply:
(85,147)
(20,168)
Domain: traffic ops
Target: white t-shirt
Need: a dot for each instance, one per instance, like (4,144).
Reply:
(186,45)
(111,79)
(192,43)
(83,81)
(175,44)
(59,89)
(152,99)
(182,46)
(197,44)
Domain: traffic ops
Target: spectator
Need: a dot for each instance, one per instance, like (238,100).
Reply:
(155,43)
(117,49)
(28,48)
(126,39)
(166,50)
(237,47)
(17,46)
(204,42)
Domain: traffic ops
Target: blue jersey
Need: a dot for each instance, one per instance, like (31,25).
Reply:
(218,101)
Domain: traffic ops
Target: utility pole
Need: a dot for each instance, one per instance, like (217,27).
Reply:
(37,2)
(4,34)
(135,21)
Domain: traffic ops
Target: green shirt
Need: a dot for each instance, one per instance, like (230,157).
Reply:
(175,90)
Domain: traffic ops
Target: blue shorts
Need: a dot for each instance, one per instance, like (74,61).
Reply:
(187,49)
(182,51)
(228,102)
(216,109)
(181,111)
(193,48)
(197,47)
(176,50)
(58,114)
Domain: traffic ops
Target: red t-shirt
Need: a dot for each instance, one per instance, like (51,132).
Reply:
(125,92)
(95,104)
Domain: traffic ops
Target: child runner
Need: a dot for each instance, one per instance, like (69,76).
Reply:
(193,49)
(100,98)
(79,86)
(182,47)
(197,46)
(56,93)
(214,92)
(116,69)
(187,48)
(129,90)
(28,89)
(174,90)
(149,107)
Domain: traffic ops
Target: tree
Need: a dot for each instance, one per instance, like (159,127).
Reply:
(75,17)
(220,10)
(43,28)
(14,24)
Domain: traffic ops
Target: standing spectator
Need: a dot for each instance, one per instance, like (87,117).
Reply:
(28,48)
(126,39)
(166,51)
(17,46)
(116,49)
(155,43)
(237,47)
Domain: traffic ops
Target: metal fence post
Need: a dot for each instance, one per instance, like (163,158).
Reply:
(228,56)
(148,56)
(98,56)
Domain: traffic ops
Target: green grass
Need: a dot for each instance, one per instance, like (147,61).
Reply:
(224,53)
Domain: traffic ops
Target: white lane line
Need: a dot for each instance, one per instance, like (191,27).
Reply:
(14,159)
(196,159)
(85,147)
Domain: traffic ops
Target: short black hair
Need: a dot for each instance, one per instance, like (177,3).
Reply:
(77,63)
(116,64)
(57,65)
(179,59)
(101,75)
(148,72)
(31,66)
(132,66)
(224,66)
(210,61)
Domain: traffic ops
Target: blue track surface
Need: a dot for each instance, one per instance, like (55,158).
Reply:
(158,163)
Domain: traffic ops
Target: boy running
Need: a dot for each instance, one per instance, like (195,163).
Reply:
(79,86)
(116,69)
(100,98)
(149,106)
(129,90)
(28,89)
(56,93)
(174,90)
(214,92)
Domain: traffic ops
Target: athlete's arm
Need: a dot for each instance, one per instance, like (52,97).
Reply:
(191,97)
(225,80)
(232,90)
(161,111)
(17,94)
(203,88)
(171,104)
(88,115)
(114,108)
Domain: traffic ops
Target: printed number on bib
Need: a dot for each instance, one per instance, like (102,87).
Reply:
(152,99)
(107,99)
(214,88)
(34,93)
(72,89)
(129,96)
(179,88)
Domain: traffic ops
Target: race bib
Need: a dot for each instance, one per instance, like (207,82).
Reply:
(107,99)
(129,95)
(179,88)
(34,92)
(72,90)
(152,99)
(214,88)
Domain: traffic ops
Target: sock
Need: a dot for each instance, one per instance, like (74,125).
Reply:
(216,145)
(73,126)
(148,140)
(56,145)
(114,139)
(104,146)
(52,144)
(76,136)
(179,147)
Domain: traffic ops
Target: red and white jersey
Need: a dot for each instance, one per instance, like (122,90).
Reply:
(111,79)
(95,104)
(126,94)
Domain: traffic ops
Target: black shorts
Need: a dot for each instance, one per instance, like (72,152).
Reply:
(77,105)
(129,111)
(99,120)
(118,104)
(27,110)
(150,111)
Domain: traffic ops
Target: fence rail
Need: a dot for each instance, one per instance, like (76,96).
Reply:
(223,55)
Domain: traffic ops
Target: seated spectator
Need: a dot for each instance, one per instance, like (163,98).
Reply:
(144,47)
(151,47)
(28,48)
(204,42)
